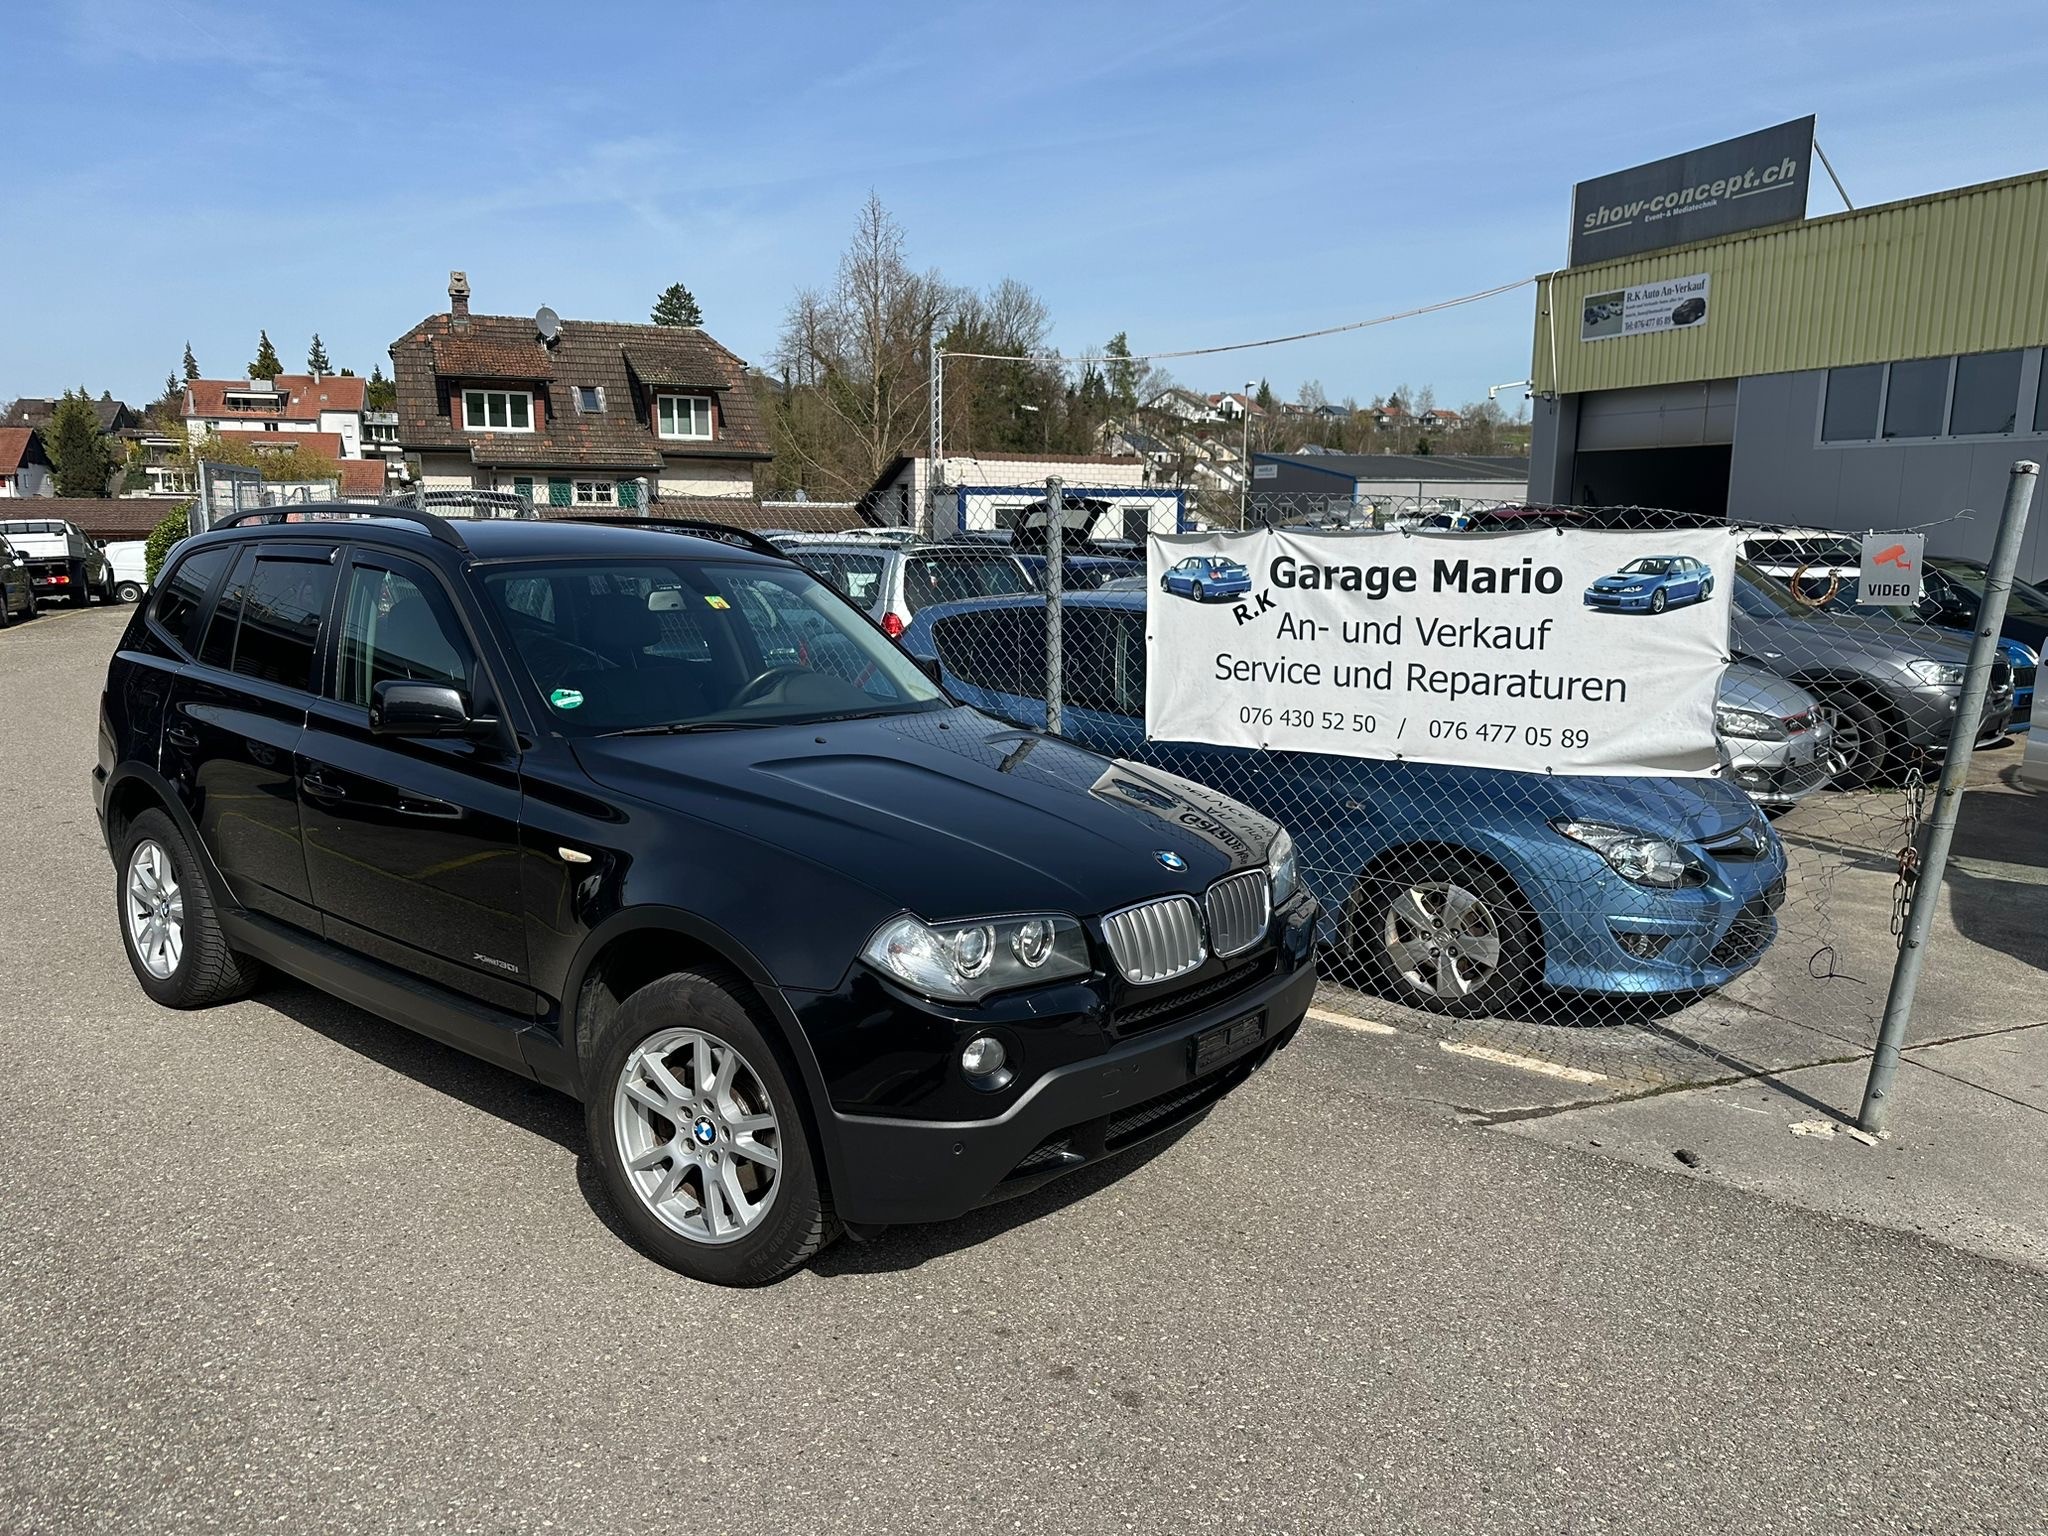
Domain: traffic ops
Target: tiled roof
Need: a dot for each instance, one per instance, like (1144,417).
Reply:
(628,362)
(304,399)
(34,411)
(124,517)
(741,512)
(362,477)
(14,443)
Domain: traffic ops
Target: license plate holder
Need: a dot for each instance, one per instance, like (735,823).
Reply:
(1223,1042)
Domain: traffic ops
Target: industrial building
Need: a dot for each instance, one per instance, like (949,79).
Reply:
(1878,368)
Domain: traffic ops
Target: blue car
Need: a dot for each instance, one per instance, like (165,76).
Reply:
(1652,584)
(1206,578)
(1452,889)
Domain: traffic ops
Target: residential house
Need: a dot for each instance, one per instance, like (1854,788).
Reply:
(989,492)
(24,467)
(35,412)
(329,404)
(1235,406)
(158,462)
(1440,418)
(579,413)
(1182,405)
(1391,417)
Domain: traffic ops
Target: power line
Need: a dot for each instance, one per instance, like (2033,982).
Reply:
(1246,346)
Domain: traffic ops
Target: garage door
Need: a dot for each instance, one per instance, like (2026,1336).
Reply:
(1658,416)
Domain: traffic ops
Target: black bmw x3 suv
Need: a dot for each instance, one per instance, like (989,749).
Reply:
(654,816)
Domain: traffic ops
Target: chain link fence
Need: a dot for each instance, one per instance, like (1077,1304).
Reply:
(1743,922)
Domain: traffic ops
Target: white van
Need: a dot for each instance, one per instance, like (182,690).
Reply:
(131,578)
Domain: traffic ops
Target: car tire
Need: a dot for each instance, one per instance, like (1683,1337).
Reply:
(128,592)
(81,588)
(198,969)
(7,613)
(1862,739)
(649,1101)
(1657,601)
(1706,589)
(1404,917)
(1200,593)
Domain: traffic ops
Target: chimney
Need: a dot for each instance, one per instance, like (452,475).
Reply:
(458,300)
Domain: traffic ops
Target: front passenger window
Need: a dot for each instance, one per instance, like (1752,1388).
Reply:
(394,628)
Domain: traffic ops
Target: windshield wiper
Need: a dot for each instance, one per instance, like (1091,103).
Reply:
(691,727)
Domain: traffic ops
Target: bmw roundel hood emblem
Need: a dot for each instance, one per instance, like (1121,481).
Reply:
(1171,860)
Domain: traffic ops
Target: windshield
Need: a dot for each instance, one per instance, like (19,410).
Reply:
(1655,566)
(1762,598)
(659,645)
(2026,598)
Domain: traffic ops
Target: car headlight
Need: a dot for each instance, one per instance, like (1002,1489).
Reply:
(1748,723)
(965,962)
(1634,586)
(1639,856)
(1937,674)
(1281,874)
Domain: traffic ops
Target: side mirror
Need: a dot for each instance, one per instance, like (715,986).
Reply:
(931,668)
(399,708)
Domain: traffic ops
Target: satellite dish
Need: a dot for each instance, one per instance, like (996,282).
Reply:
(548,323)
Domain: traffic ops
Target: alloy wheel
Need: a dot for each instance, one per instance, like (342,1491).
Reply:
(155,909)
(698,1136)
(1442,940)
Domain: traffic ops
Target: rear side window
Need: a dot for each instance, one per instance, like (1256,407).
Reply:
(218,648)
(1000,649)
(858,577)
(180,595)
(281,614)
(944,579)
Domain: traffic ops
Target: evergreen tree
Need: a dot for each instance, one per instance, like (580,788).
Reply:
(317,360)
(77,448)
(677,307)
(1121,373)
(1264,396)
(380,394)
(266,365)
(191,364)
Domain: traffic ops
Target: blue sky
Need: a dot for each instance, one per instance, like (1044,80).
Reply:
(1190,172)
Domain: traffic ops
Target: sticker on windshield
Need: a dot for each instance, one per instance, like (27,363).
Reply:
(713,600)
(566,698)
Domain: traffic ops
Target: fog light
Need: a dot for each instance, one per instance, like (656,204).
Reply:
(983,1057)
(1643,946)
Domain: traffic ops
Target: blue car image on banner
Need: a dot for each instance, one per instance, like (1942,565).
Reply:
(1652,584)
(1206,578)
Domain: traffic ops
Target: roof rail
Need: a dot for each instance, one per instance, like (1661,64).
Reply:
(344,511)
(724,533)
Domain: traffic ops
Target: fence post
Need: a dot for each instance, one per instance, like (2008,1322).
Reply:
(1055,588)
(1941,826)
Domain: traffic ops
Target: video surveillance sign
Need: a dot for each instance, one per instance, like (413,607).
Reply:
(1890,577)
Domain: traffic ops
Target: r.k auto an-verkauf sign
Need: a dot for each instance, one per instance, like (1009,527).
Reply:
(1735,185)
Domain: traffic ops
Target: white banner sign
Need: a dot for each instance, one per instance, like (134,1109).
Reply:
(1676,304)
(1581,652)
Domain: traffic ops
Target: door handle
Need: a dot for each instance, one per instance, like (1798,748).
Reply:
(182,737)
(320,787)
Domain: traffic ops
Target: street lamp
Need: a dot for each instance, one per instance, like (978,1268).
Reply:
(1044,424)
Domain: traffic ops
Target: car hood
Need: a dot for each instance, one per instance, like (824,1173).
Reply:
(950,814)
(1746,687)
(1804,642)
(1615,583)
(1690,810)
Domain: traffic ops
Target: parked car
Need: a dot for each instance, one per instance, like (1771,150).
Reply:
(1777,740)
(1689,312)
(1952,595)
(1084,573)
(890,585)
(1893,687)
(129,559)
(1206,578)
(1652,584)
(815,945)
(17,586)
(62,561)
(1625,885)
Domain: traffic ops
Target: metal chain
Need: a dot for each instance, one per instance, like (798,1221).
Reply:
(1909,852)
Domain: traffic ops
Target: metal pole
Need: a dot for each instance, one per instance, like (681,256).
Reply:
(1839,188)
(1244,505)
(920,517)
(1941,826)
(1055,588)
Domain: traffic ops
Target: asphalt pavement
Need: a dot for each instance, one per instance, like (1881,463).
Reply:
(282,1266)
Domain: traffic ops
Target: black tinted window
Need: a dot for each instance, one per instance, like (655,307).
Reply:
(179,595)
(218,648)
(1916,397)
(1987,395)
(1850,415)
(281,614)
(1001,649)
(396,628)
(952,578)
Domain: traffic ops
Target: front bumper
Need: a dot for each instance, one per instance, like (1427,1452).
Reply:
(1637,940)
(1780,773)
(1620,602)
(899,1170)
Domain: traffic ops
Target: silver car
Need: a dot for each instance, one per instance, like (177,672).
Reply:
(1777,741)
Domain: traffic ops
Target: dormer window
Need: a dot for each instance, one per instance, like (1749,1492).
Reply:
(685,417)
(497,410)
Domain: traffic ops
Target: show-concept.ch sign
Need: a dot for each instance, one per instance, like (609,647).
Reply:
(1578,652)
(1675,304)
(1745,183)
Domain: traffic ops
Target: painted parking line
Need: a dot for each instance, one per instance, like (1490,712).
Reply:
(1525,1063)
(1348,1021)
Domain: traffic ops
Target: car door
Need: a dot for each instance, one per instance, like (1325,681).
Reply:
(235,716)
(412,845)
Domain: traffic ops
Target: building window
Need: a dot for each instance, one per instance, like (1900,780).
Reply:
(589,399)
(1987,399)
(497,410)
(685,416)
(596,493)
(1850,415)
(1916,397)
